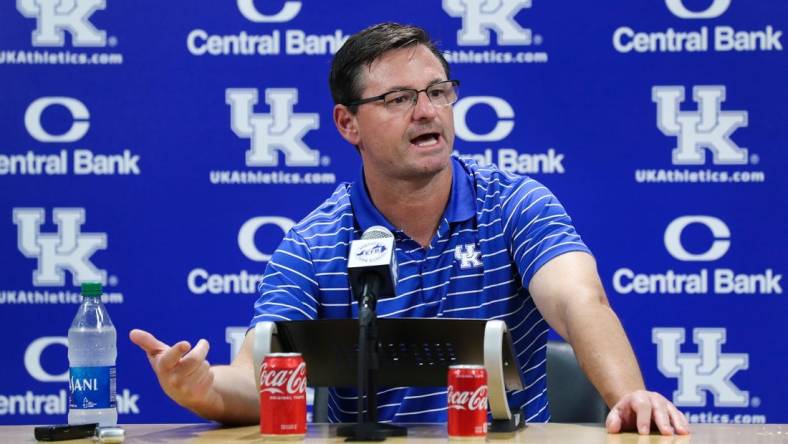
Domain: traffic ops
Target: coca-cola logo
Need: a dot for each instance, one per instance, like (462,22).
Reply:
(467,400)
(280,381)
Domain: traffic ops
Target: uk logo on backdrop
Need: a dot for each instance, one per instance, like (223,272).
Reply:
(281,131)
(63,257)
(51,158)
(68,249)
(704,135)
(55,18)
(482,18)
(708,128)
(721,38)
(492,23)
(277,41)
(275,139)
(700,274)
(56,23)
(709,371)
(493,139)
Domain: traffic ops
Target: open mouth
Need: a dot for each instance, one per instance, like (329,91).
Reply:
(427,139)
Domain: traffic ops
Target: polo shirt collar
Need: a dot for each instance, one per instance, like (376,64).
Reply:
(461,206)
(462,200)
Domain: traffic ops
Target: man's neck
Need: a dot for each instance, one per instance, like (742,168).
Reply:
(414,207)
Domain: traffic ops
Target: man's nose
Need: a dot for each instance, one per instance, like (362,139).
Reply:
(423,108)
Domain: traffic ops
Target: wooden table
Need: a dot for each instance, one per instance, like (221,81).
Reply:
(429,433)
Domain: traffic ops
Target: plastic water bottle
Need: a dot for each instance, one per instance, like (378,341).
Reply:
(92,349)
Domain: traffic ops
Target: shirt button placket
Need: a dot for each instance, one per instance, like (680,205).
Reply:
(421,254)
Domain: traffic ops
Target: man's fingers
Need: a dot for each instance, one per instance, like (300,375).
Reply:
(204,376)
(147,342)
(192,360)
(613,422)
(642,407)
(661,417)
(170,358)
(200,351)
(679,420)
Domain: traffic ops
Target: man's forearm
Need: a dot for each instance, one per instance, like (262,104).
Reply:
(578,310)
(234,400)
(603,350)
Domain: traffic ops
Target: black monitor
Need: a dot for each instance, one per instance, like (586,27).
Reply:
(414,352)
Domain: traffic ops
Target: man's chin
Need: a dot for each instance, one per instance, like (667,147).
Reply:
(428,167)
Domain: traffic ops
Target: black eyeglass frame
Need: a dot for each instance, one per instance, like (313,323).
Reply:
(358,102)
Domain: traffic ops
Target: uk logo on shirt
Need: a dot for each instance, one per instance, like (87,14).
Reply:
(468,255)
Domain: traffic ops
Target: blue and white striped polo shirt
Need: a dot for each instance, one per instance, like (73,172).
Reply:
(497,230)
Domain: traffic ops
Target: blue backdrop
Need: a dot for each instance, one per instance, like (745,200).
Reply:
(164,147)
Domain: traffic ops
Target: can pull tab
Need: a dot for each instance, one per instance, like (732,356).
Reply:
(109,434)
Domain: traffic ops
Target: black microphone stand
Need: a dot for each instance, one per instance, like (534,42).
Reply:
(367,427)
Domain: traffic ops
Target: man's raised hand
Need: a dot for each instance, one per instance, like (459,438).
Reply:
(183,372)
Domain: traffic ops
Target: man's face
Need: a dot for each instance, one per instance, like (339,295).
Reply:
(412,144)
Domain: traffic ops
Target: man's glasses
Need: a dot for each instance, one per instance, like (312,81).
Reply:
(440,94)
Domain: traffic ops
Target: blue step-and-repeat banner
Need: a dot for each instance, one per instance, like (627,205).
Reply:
(164,148)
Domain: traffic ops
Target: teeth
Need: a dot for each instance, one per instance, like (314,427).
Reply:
(427,140)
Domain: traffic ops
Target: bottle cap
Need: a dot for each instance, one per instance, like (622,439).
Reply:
(91,289)
(110,434)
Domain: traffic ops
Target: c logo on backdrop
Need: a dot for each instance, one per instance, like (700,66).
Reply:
(716,9)
(503,111)
(690,39)
(56,404)
(82,161)
(79,114)
(249,229)
(708,370)
(701,279)
(201,281)
(288,12)
(520,161)
(717,249)
(33,359)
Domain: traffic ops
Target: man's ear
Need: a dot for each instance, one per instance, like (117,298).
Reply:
(347,124)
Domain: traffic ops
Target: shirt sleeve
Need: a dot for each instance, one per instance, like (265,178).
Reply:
(288,290)
(537,227)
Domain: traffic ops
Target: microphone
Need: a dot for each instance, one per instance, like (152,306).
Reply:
(372,273)
(372,266)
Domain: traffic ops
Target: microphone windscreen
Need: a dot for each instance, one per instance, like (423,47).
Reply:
(373,256)
(376,232)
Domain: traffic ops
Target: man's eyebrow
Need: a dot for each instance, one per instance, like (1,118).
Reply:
(400,87)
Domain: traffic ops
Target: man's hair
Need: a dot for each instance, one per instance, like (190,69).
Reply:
(363,48)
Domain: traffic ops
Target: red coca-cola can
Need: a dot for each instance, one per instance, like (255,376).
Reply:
(283,396)
(467,402)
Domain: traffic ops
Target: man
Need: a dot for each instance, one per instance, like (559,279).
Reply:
(471,242)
